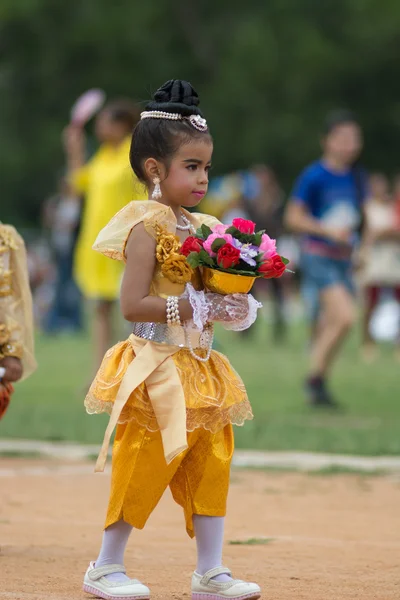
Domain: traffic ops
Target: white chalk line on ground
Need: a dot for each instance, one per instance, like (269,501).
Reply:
(35,596)
(300,461)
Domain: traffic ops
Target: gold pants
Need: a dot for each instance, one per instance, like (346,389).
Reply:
(198,478)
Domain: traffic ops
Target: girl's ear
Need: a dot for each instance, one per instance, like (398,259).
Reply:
(153,168)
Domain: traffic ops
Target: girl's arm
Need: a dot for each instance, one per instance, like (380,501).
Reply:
(74,145)
(136,304)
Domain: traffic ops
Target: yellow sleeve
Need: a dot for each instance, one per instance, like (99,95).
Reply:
(204,219)
(16,312)
(112,239)
(80,179)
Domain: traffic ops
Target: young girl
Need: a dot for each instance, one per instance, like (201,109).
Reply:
(175,400)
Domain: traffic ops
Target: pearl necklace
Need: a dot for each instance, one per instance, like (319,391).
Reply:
(187,226)
(208,334)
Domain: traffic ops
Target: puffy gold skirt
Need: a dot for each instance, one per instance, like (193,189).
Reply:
(215,395)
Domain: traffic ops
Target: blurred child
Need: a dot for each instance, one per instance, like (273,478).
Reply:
(16,317)
(380,254)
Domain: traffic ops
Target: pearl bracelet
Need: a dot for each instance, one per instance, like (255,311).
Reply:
(173,316)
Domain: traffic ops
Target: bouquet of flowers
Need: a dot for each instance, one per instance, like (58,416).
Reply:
(233,256)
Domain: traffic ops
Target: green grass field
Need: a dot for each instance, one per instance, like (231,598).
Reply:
(49,406)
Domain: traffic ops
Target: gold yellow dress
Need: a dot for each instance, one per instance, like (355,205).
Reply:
(16,313)
(174,412)
(108,184)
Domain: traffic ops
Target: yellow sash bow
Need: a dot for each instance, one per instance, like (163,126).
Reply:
(153,364)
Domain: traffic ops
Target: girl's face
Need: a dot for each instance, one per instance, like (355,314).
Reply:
(185,183)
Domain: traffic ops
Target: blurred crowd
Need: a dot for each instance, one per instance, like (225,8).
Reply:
(252,194)
(339,227)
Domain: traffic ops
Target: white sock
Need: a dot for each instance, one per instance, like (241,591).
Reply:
(209,533)
(113,547)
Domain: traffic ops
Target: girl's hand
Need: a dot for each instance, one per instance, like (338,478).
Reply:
(340,236)
(233,307)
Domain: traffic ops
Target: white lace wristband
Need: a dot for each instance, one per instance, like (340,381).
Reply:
(248,321)
(199,304)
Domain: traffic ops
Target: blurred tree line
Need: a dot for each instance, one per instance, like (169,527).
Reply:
(267,72)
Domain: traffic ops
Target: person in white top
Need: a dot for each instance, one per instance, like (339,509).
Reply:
(380,254)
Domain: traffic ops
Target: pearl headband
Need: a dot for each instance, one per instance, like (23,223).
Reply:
(195,120)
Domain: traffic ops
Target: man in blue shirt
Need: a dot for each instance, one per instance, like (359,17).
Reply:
(326,207)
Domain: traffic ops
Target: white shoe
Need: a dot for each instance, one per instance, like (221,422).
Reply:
(205,588)
(96,583)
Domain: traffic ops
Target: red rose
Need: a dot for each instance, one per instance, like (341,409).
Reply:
(273,267)
(228,256)
(244,225)
(191,244)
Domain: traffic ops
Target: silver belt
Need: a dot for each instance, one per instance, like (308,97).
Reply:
(172,335)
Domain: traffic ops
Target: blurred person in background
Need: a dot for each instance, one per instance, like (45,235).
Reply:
(326,207)
(17,359)
(224,195)
(379,254)
(61,218)
(396,198)
(42,278)
(107,184)
(263,203)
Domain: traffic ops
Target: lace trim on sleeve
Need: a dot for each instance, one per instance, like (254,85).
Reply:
(199,304)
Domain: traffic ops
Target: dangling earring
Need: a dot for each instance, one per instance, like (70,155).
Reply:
(157,194)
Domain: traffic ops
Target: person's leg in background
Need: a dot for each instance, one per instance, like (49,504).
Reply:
(278,300)
(396,292)
(338,313)
(53,322)
(102,329)
(371,299)
(310,297)
(332,279)
(73,297)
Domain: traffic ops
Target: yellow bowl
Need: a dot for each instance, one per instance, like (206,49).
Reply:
(226,283)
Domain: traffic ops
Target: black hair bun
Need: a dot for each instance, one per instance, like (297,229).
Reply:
(176,96)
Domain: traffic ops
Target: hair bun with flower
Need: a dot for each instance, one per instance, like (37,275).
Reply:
(176,96)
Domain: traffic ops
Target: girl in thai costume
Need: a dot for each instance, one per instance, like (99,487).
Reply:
(172,398)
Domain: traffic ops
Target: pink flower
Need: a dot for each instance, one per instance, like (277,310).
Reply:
(268,246)
(215,236)
(244,225)
(220,228)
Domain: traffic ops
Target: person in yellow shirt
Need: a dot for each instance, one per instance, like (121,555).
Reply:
(107,184)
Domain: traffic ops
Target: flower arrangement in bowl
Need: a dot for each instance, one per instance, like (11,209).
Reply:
(233,256)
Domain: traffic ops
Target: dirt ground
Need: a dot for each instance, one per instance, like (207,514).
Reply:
(330,537)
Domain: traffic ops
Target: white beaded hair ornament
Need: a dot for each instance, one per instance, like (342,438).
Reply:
(176,100)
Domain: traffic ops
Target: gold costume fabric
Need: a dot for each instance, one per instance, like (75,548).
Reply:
(16,312)
(198,478)
(174,411)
